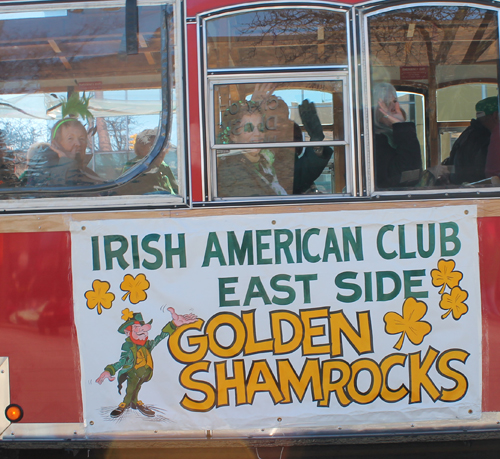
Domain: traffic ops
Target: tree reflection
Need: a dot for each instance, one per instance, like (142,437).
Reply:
(434,35)
(291,36)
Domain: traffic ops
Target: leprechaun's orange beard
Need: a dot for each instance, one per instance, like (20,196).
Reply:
(139,342)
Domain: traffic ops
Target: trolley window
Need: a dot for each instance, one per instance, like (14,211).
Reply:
(447,54)
(277,104)
(248,130)
(80,115)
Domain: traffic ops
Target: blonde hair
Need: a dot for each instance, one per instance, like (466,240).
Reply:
(144,140)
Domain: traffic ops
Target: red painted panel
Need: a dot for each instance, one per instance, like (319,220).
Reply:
(37,330)
(194,114)
(489,250)
(195,7)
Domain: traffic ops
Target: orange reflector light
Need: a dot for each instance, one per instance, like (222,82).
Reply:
(14,413)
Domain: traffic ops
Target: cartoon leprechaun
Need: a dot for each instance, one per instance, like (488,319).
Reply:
(136,363)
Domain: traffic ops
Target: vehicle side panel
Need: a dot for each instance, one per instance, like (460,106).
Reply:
(37,331)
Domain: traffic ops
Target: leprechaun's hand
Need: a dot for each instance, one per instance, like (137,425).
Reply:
(179,320)
(104,375)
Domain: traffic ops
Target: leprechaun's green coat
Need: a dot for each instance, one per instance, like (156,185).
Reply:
(136,363)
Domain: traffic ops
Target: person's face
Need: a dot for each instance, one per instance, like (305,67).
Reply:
(490,121)
(250,129)
(143,149)
(393,104)
(73,141)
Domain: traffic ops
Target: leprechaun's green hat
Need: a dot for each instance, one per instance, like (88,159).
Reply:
(131,318)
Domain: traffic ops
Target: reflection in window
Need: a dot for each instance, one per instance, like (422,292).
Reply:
(277,37)
(398,161)
(280,171)
(294,112)
(413,105)
(51,59)
(453,118)
(428,48)
(285,107)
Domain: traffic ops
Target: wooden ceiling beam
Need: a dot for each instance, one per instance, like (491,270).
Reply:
(54,46)
(65,62)
(44,52)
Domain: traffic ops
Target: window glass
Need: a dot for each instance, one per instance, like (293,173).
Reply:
(75,109)
(456,103)
(276,38)
(456,108)
(284,105)
(257,118)
(413,105)
(444,54)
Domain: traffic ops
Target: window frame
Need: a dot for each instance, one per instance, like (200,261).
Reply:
(19,199)
(365,12)
(270,78)
(212,76)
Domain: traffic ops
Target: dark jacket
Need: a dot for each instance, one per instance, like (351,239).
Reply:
(468,154)
(298,173)
(400,165)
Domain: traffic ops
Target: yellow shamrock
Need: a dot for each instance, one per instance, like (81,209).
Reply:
(454,302)
(135,287)
(409,324)
(127,314)
(99,296)
(445,275)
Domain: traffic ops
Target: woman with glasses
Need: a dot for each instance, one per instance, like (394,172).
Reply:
(247,171)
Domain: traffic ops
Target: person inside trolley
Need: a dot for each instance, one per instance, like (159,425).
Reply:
(397,158)
(158,178)
(492,121)
(250,171)
(475,154)
(63,163)
(297,168)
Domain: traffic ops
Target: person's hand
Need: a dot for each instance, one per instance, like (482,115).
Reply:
(390,117)
(310,120)
(104,375)
(262,91)
(440,171)
(179,320)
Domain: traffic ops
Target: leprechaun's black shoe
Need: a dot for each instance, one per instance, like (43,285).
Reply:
(143,409)
(119,411)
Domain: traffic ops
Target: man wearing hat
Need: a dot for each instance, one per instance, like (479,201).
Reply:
(136,364)
(468,155)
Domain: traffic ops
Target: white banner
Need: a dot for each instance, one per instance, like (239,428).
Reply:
(278,321)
